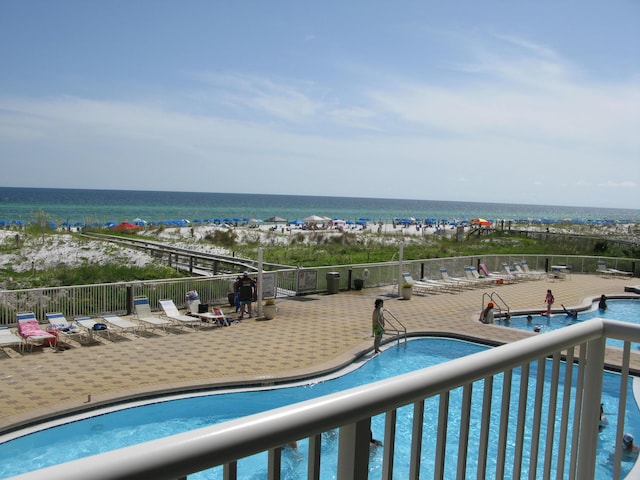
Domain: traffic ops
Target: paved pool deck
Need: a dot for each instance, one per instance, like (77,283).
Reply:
(310,335)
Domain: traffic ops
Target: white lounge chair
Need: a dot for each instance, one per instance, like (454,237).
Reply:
(9,339)
(121,324)
(29,329)
(497,277)
(472,274)
(512,274)
(144,314)
(523,273)
(462,282)
(171,312)
(62,327)
(91,326)
(424,287)
(605,271)
(525,267)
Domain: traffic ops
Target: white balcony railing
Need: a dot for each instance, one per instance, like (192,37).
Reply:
(571,449)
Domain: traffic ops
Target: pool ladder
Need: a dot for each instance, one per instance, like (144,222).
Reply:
(499,304)
(392,323)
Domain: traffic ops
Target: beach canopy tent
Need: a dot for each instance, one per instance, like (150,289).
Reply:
(314,218)
(276,220)
(125,226)
(480,221)
(296,222)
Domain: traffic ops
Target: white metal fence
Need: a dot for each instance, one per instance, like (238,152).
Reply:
(520,450)
(93,300)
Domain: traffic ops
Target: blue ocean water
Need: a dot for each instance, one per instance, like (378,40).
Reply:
(102,206)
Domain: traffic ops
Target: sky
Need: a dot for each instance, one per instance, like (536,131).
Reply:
(528,102)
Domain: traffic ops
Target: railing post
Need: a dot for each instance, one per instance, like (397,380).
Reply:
(588,437)
(400,277)
(259,284)
(129,299)
(353,450)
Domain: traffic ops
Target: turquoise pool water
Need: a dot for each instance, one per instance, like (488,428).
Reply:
(142,423)
(623,310)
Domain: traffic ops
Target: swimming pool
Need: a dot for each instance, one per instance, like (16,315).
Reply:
(623,310)
(141,423)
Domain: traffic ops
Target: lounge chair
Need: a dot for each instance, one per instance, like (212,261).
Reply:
(9,339)
(512,274)
(603,270)
(525,267)
(497,277)
(91,325)
(59,324)
(423,287)
(121,324)
(144,314)
(29,329)
(171,312)
(462,282)
(472,274)
(522,272)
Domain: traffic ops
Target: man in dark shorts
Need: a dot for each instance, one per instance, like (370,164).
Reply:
(246,288)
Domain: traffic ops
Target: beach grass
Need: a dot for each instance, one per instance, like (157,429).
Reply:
(40,258)
(371,248)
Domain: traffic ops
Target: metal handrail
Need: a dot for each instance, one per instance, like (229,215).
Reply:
(495,295)
(224,444)
(395,325)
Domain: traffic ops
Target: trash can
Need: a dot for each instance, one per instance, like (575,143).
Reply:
(333,282)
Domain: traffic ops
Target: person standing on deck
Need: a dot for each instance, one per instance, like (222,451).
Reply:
(377,323)
(549,299)
(246,289)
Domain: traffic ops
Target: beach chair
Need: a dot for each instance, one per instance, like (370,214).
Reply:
(59,324)
(171,312)
(512,274)
(498,278)
(29,329)
(422,287)
(146,317)
(10,339)
(525,267)
(91,326)
(524,274)
(462,282)
(604,271)
(472,274)
(121,324)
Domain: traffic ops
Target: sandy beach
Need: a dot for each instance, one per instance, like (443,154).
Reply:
(25,252)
